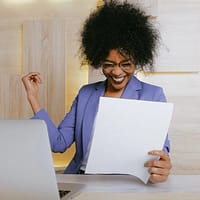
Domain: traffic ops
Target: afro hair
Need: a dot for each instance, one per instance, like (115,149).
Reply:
(121,26)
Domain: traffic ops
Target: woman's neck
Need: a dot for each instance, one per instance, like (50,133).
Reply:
(114,94)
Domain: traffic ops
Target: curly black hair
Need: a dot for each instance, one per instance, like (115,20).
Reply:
(121,26)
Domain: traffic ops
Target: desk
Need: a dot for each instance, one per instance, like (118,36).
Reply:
(118,187)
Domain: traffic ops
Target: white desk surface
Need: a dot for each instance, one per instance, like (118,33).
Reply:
(108,187)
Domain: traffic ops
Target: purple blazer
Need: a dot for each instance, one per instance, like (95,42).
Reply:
(77,124)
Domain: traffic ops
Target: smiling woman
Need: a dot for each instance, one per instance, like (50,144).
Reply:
(118,38)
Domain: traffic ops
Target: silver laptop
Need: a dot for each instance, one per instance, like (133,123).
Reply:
(26,166)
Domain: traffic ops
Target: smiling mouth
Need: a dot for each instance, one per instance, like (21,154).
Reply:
(118,80)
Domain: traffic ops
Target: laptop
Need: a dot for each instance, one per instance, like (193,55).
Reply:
(26,169)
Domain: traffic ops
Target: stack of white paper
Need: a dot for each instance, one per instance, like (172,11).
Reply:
(124,132)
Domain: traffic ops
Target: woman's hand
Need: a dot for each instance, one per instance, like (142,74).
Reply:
(31,83)
(159,169)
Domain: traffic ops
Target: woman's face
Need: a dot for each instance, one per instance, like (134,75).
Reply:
(118,69)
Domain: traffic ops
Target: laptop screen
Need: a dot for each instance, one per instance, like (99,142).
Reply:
(26,170)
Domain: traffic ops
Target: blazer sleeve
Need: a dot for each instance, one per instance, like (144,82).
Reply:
(160,96)
(60,137)
(155,93)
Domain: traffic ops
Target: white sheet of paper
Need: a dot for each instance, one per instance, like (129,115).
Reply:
(124,132)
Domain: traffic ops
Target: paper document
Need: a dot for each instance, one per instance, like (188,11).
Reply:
(124,132)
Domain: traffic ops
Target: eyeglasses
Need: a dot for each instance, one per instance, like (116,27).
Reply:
(124,65)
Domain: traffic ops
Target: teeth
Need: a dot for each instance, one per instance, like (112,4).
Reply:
(118,79)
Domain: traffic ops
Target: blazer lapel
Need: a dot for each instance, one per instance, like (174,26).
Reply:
(132,90)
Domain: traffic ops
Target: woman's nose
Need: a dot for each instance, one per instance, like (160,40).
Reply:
(117,70)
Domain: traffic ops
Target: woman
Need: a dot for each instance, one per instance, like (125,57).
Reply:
(119,39)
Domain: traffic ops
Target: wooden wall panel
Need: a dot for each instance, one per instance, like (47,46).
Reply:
(38,46)
(13,103)
(44,51)
(11,48)
(77,75)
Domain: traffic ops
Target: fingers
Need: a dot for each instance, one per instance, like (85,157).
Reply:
(161,154)
(155,178)
(158,164)
(35,78)
(163,162)
(159,169)
(32,77)
(31,83)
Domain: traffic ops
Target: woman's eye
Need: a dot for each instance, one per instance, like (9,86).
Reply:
(126,64)
(107,65)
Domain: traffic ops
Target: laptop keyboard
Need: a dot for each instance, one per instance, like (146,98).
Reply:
(62,193)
